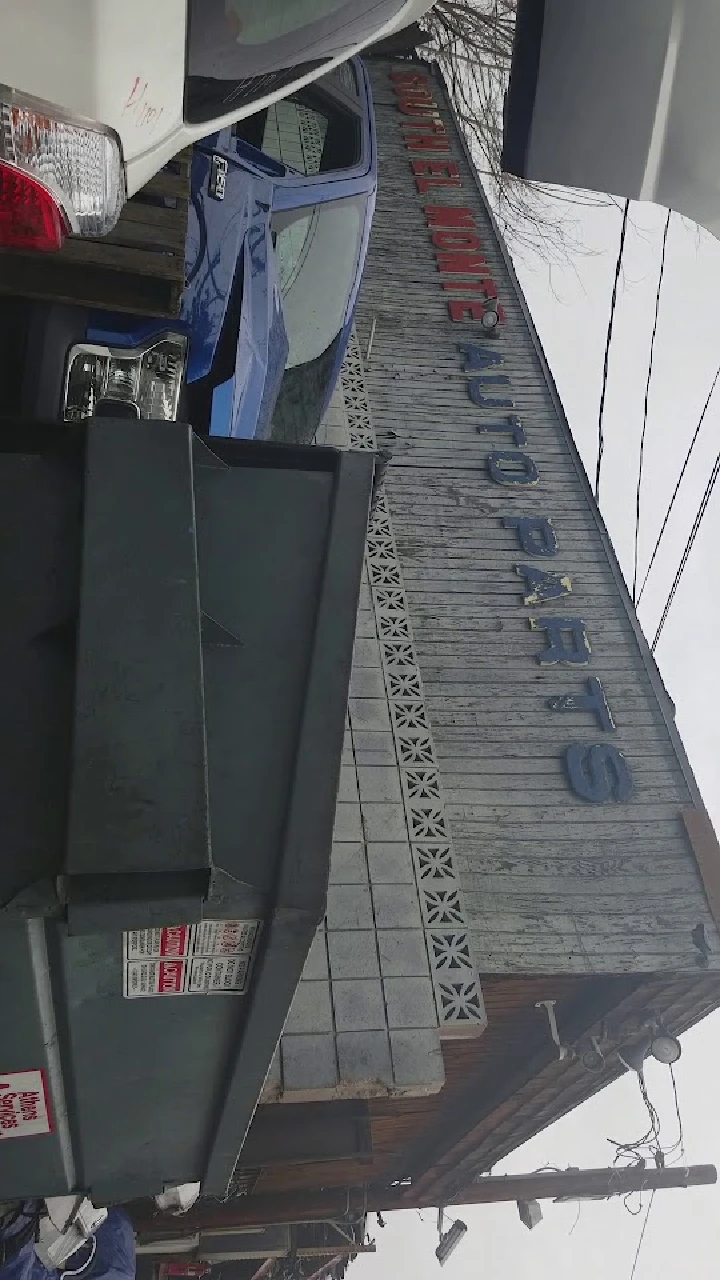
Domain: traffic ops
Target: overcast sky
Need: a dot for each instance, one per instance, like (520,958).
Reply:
(570,308)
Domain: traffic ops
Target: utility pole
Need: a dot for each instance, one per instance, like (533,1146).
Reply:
(338,1203)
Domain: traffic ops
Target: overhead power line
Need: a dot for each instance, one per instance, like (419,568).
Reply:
(680,478)
(688,548)
(646,404)
(681,1135)
(642,1235)
(608,341)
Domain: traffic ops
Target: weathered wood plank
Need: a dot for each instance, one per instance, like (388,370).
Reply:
(484,772)
(464,741)
(531,814)
(520,699)
(463,674)
(492,575)
(524,829)
(580,722)
(547,800)
(652,917)
(598,860)
(546,773)
(475,618)
(577,959)
(114,257)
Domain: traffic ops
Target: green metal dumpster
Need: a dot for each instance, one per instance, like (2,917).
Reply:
(177,627)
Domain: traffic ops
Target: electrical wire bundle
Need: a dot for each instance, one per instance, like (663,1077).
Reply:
(649,1146)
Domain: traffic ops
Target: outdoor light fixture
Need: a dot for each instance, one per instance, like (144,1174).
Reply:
(450,1240)
(665,1048)
(656,1043)
(490,318)
(592,1057)
(634,1052)
(530,1213)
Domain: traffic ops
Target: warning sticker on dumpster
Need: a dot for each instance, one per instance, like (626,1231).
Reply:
(209,958)
(24,1107)
(144,944)
(225,937)
(208,974)
(154,978)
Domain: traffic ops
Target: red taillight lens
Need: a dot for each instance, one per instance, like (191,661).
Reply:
(30,217)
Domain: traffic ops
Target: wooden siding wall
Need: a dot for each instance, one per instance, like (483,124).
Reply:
(503,1087)
(553,883)
(406,1132)
(516,1111)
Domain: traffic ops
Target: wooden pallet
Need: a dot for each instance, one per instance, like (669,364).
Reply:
(139,267)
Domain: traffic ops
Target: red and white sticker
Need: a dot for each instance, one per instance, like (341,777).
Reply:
(24,1106)
(154,978)
(146,944)
(202,959)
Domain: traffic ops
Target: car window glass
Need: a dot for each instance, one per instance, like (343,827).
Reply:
(291,245)
(309,132)
(316,253)
(295,135)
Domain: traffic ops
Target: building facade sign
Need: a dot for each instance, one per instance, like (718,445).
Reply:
(563,775)
(596,771)
(513,787)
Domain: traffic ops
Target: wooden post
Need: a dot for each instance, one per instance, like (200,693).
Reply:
(344,1203)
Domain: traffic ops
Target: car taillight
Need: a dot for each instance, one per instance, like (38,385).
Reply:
(126,382)
(79,161)
(30,217)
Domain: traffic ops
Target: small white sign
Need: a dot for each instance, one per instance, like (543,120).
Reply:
(24,1106)
(225,937)
(212,975)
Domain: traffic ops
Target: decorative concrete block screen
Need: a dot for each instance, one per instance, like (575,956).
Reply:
(390,973)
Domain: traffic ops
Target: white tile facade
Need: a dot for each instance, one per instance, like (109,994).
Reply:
(390,973)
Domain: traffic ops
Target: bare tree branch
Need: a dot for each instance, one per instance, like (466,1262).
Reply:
(472,42)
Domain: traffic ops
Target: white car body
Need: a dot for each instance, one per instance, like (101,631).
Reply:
(620,97)
(123,65)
